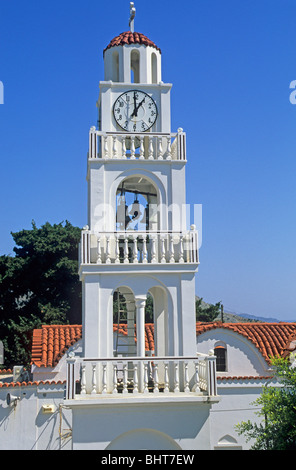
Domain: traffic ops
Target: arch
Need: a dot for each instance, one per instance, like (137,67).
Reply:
(115,66)
(137,204)
(135,66)
(220,351)
(137,286)
(141,439)
(153,68)
(228,442)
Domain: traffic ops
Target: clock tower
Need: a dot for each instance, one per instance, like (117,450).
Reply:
(140,378)
(138,246)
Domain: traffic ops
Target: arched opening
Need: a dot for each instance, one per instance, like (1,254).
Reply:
(136,205)
(135,66)
(220,351)
(124,322)
(153,68)
(115,66)
(151,439)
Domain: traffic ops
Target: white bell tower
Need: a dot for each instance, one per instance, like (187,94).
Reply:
(138,241)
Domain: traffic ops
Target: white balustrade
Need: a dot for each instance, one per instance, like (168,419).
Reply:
(137,375)
(133,247)
(145,146)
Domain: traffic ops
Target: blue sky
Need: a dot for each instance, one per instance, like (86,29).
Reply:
(231,64)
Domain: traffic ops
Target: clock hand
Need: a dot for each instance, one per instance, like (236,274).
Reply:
(135,111)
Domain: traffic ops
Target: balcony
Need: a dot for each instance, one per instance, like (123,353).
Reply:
(140,377)
(151,247)
(146,146)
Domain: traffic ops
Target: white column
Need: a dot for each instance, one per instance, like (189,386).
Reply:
(140,316)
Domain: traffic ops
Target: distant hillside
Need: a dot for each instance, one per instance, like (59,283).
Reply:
(232,317)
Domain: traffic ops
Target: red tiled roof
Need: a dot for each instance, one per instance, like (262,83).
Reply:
(128,37)
(149,334)
(52,341)
(31,383)
(270,338)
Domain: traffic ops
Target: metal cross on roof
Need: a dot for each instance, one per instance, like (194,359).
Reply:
(132,16)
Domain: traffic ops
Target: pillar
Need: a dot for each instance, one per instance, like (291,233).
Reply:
(140,317)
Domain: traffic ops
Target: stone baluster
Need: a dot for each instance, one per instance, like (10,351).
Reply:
(155,378)
(141,148)
(108,259)
(169,149)
(166,378)
(171,242)
(123,140)
(196,387)
(150,149)
(186,378)
(114,149)
(133,148)
(104,379)
(83,380)
(159,150)
(136,389)
(145,387)
(126,260)
(125,378)
(153,250)
(94,379)
(181,253)
(117,260)
(144,260)
(114,378)
(135,249)
(177,383)
(106,150)
(162,249)
(99,255)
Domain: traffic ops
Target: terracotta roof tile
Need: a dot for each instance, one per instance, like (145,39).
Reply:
(128,37)
(30,383)
(270,338)
(52,341)
(149,334)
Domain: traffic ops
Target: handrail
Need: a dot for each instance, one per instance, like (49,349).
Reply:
(137,146)
(156,374)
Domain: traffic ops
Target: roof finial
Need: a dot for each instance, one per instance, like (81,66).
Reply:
(132,16)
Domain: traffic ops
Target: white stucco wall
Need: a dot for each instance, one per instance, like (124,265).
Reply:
(243,358)
(26,426)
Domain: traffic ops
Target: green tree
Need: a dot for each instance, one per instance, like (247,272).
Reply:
(276,429)
(38,285)
(206,312)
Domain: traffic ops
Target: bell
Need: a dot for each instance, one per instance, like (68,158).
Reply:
(145,218)
(122,217)
(135,211)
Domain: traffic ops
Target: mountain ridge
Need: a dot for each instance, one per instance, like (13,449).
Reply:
(233,317)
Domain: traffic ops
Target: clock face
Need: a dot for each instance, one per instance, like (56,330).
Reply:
(135,111)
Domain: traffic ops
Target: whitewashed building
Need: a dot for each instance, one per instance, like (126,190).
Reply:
(128,386)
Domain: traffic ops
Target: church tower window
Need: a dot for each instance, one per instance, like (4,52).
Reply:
(220,352)
(153,68)
(135,66)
